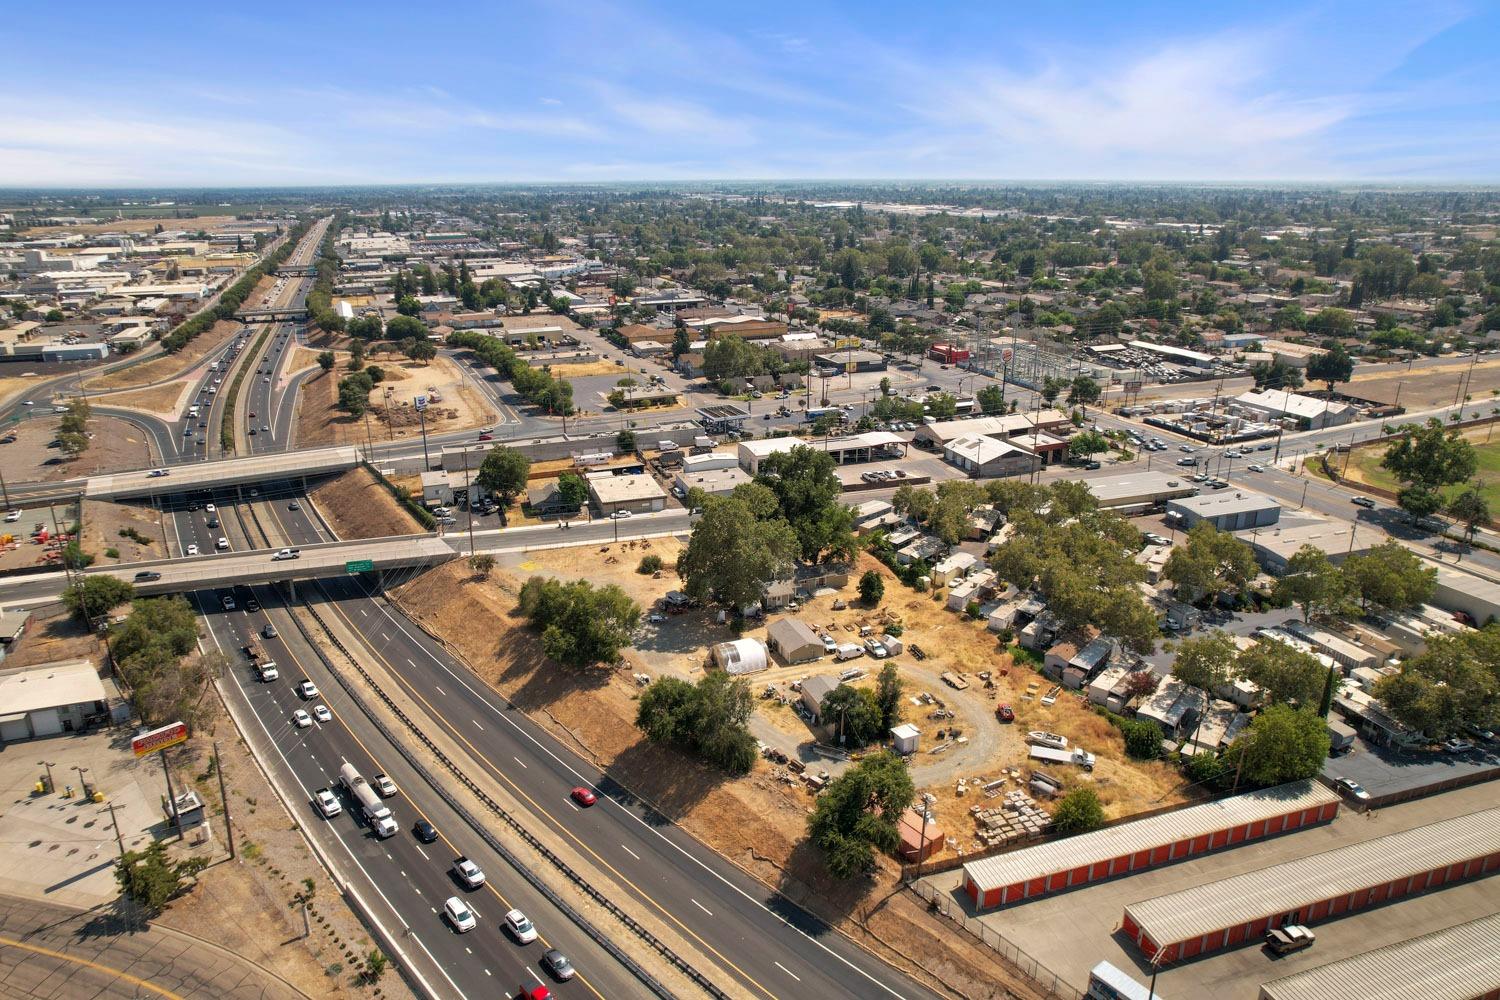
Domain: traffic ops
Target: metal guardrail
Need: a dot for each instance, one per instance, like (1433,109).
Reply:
(597,896)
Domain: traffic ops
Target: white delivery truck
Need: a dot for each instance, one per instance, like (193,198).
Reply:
(375,811)
(1082,758)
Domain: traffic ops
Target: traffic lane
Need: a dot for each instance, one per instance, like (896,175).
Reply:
(628,833)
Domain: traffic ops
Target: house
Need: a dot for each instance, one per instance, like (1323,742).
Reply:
(814,690)
(49,699)
(1174,707)
(953,568)
(546,501)
(689,365)
(1110,688)
(1057,658)
(1089,660)
(922,549)
(1038,633)
(740,656)
(793,641)
(637,494)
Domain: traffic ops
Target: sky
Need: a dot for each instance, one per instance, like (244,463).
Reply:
(168,94)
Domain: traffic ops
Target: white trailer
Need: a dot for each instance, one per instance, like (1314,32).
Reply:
(375,811)
(1082,758)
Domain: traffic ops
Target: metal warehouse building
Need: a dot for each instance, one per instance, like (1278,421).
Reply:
(1458,963)
(1132,847)
(1242,908)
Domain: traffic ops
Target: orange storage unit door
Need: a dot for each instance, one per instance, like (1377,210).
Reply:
(1200,844)
(1276,824)
(1220,838)
(1079,875)
(1191,948)
(1237,834)
(1236,934)
(1318,910)
(1159,853)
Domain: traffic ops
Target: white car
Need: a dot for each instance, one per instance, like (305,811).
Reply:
(1255,467)
(321,713)
(520,927)
(308,690)
(328,803)
(459,914)
(285,554)
(383,784)
(156,473)
(209,508)
(266,378)
(222,544)
(468,872)
(192,549)
(12,517)
(301,719)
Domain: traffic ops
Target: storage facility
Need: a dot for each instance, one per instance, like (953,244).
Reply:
(1146,843)
(1242,908)
(1457,963)
(1238,511)
(794,641)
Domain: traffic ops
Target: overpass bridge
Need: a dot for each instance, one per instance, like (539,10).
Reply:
(258,566)
(190,477)
(297,271)
(272,314)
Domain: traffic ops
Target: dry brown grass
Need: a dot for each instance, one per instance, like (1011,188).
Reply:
(584,369)
(357,506)
(168,365)
(160,399)
(205,222)
(102,522)
(1423,388)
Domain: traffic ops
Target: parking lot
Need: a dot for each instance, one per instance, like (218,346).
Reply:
(1070,932)
(1386,772)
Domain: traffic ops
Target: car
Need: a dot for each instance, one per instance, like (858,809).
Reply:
(1185,447)
(486,437)
(468,872)
(222,544)
(321,713)
(1187,461)
(520,927)
(459,915)
(12,517)
(620,514)
(533,993)
(187,431)
(328,803)
(269,631)
(1092,466)
(251,604)
(286,554)
(228,601)
(830,644)
(1255,467)
(192,549)
(383,784)
(212,522)
(424,831)
(307,690)
(294,505)
(1352,788)
(656,618)
(27,402)
(1005,713)
(267,379)
(1233,453)
(557,963)
(265,428)
(251,414)
(1267,446)
(252,432)
(209,508)
(1152,538)
(147,575)
(583,796)
(1456,745)
(301,719)
(1362,502)
(1292,937)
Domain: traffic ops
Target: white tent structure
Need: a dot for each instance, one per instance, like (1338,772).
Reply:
(740,656)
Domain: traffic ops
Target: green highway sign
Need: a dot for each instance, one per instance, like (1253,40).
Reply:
(359,566)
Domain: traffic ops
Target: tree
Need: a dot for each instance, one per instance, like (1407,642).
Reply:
(860,813)
(326,360)
(854,712)
(151,879)
(991,399)
(1051,389)
(1142,739)
(913,501)
(1275,375)
(375,966)
(482,563)
(1286,675)
(92,597)
(649,564)
(1282,744)
(625,442)
(1210,562)
(1452,684)
(871,587)
(1082,391)
(734,550)
(76,419)
(1078,812)
(1426,459)
(1469,508)
(1313,583)
(1206,661)
(354,393)
(1329,367)
(1389,577)
(573,489)
(805,485)
(504,473)
(709,720)
(888,696)
(1086,443)
(406,328)
(56,315)
(419,350)
(581,624)
(72,443)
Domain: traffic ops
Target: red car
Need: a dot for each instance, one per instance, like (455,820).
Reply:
(1005,713)
(534,993)
(486,437)
(584,797)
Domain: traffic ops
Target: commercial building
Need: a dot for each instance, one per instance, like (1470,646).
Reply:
(989,458)
(1456,963)
(1307,411)
(638,494)
(948,353)
(1273,549)
(852,361)
(793,641)
(49,699)
(714,482)
(1242,908)
(1011,425)
(1134,492)
(1180,355)
(1475,596)
(722,418)
(1226,511)
(1146,843)
(865,447)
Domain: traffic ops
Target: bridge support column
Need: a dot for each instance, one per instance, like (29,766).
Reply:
(380,580)
(290,587)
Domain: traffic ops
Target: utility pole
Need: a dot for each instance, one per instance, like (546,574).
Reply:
(369,440)
(224,798)
(119,840)
(422,419)
(166,770)
(3,491)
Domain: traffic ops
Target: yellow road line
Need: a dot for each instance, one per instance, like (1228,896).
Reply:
(109,970)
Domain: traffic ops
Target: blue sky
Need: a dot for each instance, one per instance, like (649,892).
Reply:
(327,93)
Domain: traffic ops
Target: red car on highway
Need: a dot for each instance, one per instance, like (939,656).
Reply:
(584,797)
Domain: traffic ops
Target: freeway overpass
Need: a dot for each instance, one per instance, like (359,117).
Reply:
(246,470)
(227,569)
(271,315)
(297,271)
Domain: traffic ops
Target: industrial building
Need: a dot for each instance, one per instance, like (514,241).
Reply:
(1011,425)
(989,458)
(865,447)
(1179,355)
(714,482)
(1237,511)
(1242,908)
(638,494)
(1308,411)
(49,699)
(1136,492)
(740,656)
(1456,963)
(1146,843)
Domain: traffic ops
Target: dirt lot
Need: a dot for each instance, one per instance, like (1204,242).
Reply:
(55,637)
(116,444)
(357,506)
(168,365)
(757,822)
(103,522)
(165,399)
(208,223)
(587,368)
(319,421)
(1424,388)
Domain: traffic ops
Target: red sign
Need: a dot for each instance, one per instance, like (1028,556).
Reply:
(159,739)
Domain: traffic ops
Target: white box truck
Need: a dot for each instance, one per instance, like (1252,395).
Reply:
(375,811)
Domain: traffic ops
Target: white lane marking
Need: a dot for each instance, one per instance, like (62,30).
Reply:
(364,612)
(702,907)
(630,852)
(438,689)
(476,722)
(410,664)
(421,852)
(523,764)
(788,971)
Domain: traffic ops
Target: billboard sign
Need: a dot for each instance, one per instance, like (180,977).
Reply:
(159,739)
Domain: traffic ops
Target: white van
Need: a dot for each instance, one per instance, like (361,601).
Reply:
(849,651)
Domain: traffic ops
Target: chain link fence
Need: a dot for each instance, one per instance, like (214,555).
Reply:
(1039,975)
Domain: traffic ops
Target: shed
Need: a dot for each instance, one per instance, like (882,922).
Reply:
(793,641)
(740,656)
(921,837)
(814,690)
(905,738)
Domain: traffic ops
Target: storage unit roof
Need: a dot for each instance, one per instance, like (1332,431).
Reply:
(1452,964)
(1144,834)
(1192,913)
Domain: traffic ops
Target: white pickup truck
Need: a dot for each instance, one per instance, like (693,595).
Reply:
(1082,758)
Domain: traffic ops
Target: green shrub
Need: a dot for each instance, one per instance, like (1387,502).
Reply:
(649,564)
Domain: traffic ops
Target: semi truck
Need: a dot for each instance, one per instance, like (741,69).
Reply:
(1082,758)
(375,811)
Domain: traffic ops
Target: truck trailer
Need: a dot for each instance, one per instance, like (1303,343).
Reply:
(374,810)
(1082,758)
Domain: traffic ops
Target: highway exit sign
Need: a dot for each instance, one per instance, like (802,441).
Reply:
(359,566)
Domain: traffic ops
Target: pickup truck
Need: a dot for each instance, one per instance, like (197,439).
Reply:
(1082,758)
(470,874)
(287,554)
(1292,937)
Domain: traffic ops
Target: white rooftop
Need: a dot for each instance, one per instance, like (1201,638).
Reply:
(49,685)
